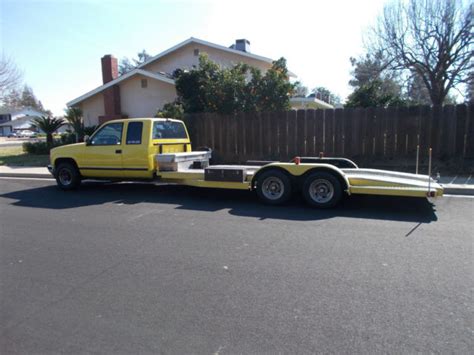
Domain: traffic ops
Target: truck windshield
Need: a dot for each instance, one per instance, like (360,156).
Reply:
(168,129)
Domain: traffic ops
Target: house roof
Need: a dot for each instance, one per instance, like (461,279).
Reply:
(311,100)
(16,110)
(120,79)
(20,123)
(208,44)
(164,78)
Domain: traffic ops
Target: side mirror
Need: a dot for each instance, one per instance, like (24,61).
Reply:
(87,140)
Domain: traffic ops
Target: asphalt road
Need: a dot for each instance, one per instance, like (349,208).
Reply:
(137,268)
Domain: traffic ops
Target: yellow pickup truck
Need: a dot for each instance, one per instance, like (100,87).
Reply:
(160,149)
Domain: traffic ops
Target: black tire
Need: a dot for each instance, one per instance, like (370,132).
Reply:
(67,176)
(273,187)
(322,190)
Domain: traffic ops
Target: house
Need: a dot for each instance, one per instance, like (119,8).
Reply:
(17,119)
(144,90)
(309,102)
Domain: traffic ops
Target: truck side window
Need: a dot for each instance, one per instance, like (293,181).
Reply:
(110,134)
(134,133)
(168,130)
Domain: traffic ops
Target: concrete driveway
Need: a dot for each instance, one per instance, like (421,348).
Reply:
(137,268)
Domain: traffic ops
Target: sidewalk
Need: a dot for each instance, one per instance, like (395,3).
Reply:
(26,172)
(453,185)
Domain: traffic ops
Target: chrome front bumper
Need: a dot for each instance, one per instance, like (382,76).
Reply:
(51,169)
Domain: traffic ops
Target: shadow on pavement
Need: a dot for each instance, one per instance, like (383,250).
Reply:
(239,203)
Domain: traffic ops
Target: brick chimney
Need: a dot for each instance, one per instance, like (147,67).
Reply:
(242,45)
(109,68)
(112,105)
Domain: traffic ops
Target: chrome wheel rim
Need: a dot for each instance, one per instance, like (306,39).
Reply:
(65,177)
(273,188)
(321,191)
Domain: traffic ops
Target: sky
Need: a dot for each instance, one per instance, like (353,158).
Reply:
(57,44)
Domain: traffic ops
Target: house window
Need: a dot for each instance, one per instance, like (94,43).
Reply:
(5,117)
(144,83)
(196,52)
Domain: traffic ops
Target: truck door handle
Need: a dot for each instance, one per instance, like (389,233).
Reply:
(118,151)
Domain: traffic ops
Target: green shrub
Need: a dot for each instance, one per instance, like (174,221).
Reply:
(42,148)
(171,110)
(68,138)
(39,148)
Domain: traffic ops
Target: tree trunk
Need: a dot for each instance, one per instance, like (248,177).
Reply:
(437,98)
(49,139)
(437,93)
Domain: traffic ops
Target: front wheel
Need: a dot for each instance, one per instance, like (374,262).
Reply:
(67,176)
(273,187)
(322,190)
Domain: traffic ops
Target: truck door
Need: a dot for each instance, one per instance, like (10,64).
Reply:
(103,155)
(135,157)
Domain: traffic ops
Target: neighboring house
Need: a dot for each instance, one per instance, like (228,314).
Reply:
(144,90)
(13,120)
(308,103)
(16,119)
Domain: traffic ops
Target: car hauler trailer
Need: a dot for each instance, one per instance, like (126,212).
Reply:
(160,149)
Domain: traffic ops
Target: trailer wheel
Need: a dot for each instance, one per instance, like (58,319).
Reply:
(273,187)
(322,190)
(67,176)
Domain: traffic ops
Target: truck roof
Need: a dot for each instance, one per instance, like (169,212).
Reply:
(145,119)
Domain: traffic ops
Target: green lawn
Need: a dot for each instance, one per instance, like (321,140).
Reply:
(15,156)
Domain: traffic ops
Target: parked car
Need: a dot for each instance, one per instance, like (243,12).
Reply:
(27,134)
(12,135)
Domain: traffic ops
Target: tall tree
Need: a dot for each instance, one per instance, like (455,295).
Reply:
(373,67)
(469,97)
(17,99)
(416,91)
(11,99)
(73,116)
(374,85)
(10,75)
(373,94)
(430,38)
(28,99)
(127,64)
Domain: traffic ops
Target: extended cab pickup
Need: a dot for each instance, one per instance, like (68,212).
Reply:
(158,148)
(122,149)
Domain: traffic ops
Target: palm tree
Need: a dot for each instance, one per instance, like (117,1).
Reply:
(48,125)
(89,130)
(74,117)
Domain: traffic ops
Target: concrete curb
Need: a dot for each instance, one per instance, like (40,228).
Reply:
(27,175)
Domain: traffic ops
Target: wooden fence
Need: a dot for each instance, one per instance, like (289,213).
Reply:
(363,134)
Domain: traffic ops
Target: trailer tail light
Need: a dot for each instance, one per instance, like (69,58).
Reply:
(431,194)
